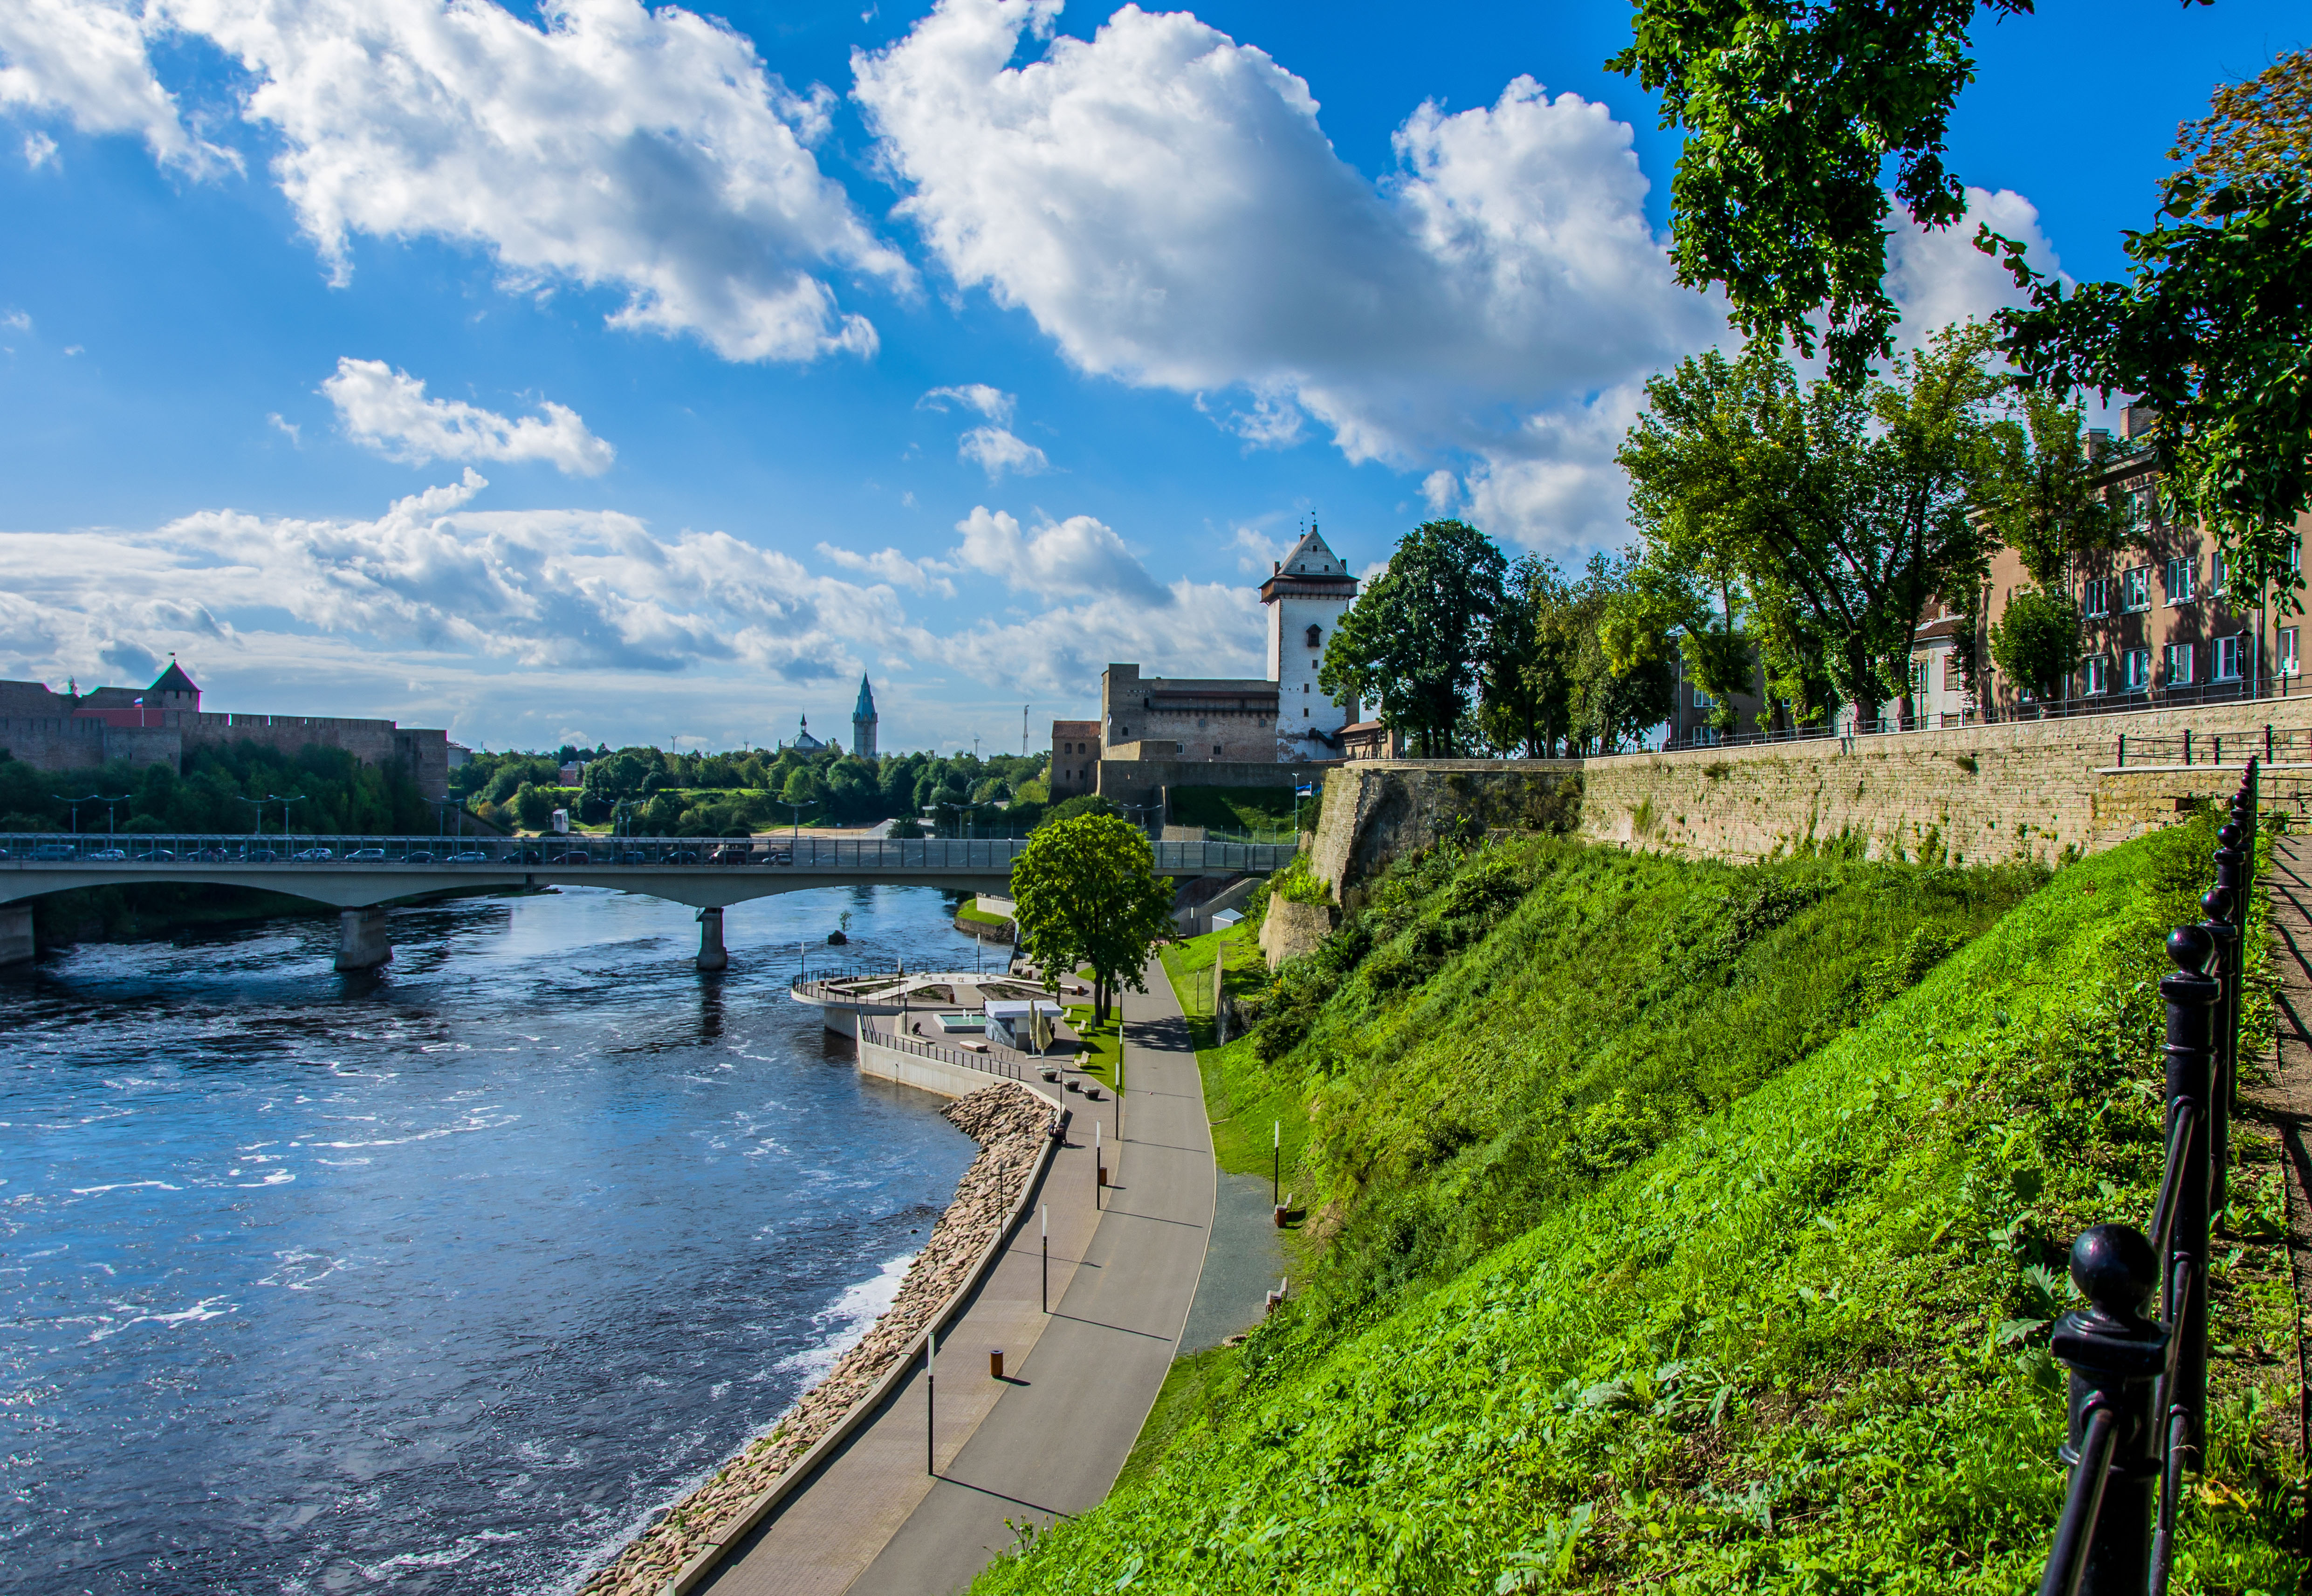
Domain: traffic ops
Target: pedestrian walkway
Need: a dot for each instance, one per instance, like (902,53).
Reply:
(1049,1439)
(2285,1102)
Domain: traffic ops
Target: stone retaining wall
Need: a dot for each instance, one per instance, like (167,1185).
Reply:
(1011,1124)
(2028,789)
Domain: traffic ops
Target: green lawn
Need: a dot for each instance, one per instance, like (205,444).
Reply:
(1696,1229)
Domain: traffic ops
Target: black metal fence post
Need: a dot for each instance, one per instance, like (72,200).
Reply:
(2216,903)
(2191,994)
(2103,1543)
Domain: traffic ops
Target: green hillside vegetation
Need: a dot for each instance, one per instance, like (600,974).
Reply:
(1683,1226)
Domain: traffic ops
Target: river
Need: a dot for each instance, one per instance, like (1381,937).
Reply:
(436,1280)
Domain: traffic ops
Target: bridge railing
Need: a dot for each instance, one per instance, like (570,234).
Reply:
(975,857)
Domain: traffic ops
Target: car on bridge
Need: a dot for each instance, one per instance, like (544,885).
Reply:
(470,856)
(315,853)
(54,850)
(375,856)
(110,854)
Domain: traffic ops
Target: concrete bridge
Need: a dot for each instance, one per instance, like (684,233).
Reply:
(357,874)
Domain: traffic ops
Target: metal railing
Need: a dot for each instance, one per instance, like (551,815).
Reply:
(2139,1385)
(2268,746)
(2117,703)
(989,857)
(994,1064)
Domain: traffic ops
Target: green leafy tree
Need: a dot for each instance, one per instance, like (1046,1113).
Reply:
(1793,113)
(2213,328)
(1841,512)
(2036,642)
(2040,492)
(1412,644)
(534,806)
(1521,706)
(1089,898)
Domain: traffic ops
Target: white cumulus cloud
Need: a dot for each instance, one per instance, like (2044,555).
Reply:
(1937,277)
(992,402)
(1080,554)
(650,152)
(386,410)
(1162,201)
(433,578)
(996,450)
(86,61)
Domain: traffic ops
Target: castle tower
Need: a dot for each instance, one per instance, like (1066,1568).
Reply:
(173,690)
(1305,598)
(862,722)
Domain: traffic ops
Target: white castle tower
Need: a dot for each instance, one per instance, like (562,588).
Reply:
(1305,598)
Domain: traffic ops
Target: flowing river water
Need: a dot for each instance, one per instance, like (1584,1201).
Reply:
(437,1280)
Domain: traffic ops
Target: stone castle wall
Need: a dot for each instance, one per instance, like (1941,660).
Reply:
(2041,790)
(80,742)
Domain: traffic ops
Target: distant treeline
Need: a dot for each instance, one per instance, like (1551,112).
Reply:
(713,794)
(237,788)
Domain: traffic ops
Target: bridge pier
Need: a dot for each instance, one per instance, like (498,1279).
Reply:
(710,955)
(361,939)
(16,933)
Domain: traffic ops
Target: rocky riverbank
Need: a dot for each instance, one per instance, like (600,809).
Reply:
(1009,1123)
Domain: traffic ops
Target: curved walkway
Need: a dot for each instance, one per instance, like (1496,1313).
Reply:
(1049,1439)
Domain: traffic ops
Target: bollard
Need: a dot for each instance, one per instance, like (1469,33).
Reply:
(2114,1354)
(2191,994)
(994,1363)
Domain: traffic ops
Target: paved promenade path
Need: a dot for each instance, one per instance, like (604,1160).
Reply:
(1049,1439)
(2285,1103)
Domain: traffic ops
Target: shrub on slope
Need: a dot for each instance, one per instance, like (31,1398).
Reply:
(1798,1346)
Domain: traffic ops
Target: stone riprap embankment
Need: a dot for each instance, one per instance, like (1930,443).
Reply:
(1011,1123)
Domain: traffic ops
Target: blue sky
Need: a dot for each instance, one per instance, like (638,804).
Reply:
(616,375)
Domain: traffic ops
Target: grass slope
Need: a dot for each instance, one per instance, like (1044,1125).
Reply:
(1672,1241)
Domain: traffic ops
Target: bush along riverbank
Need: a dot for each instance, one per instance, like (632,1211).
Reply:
(1009,1123)
(1698,1228)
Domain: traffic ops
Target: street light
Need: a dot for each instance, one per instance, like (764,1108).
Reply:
(284,799)
(107,800)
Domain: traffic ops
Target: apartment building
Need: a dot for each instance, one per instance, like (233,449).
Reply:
(2162,622)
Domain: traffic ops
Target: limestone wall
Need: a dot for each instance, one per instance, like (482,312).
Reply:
(1377,809)
(2024,789)
(1288,930)
(2014,790)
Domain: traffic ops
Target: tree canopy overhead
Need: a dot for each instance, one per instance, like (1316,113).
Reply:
(2214,325)
(1792,112)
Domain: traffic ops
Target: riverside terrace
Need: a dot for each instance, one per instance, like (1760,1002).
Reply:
(357,874)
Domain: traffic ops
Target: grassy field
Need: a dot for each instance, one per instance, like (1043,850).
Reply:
(1696,1228)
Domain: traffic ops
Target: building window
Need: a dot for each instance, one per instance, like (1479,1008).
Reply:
(2288,662)
(2097,674)
(1954,675)
(1216,750)
(2232,655)
(2136,663)
(2178,663)
(2135,588)
(1702,700)
(1315,635)
(2095,596)
(1918,682)
(2182,580)
(2218,574)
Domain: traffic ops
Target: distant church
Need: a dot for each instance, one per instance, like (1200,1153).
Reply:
(863,728)
(862,722)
